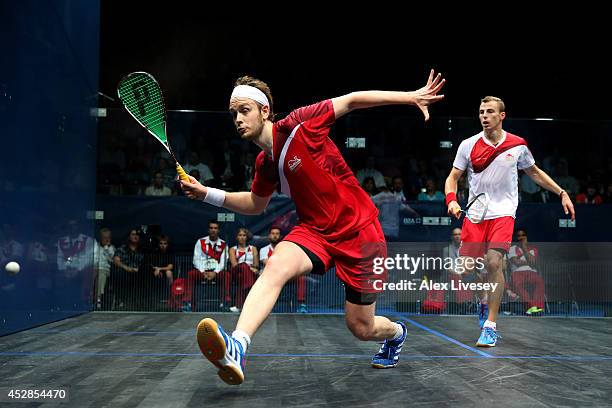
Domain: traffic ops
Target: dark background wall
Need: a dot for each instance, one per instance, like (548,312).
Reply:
(542,65)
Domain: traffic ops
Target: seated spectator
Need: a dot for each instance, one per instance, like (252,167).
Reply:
(370,171)
(104,251)
(591,196)
(158,189)
(244,261)
(523,259)
(125,276)
(160,265)
(75,252)
(460,300)
(194,163)
(369,186)
(210,266)
(430,193)
(168,172)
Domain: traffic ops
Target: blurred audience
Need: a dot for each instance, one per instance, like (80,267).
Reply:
(370,172)
(104,251)
(244,263)
(590,197)
(158,189)
(431,193)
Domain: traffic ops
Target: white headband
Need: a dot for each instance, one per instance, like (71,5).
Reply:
(247,91)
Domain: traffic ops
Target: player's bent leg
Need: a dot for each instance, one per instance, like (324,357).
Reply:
(228,352)
(364,325)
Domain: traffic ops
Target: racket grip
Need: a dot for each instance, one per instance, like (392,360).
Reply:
(182,175)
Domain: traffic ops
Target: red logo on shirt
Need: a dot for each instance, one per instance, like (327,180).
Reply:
(294,163)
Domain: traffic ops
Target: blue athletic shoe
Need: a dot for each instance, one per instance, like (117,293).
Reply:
(488,337)
(388,355)
(222,350)
(483,314)
(302,308)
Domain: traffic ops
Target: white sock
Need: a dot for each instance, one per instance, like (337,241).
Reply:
(399,332)
(242,338)
(490,324)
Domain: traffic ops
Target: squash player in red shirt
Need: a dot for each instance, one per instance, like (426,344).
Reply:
(338,224)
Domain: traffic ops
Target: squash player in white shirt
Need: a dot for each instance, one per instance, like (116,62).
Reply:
(492,159)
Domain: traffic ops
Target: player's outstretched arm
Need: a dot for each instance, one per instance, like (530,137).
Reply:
(450,191)
(543,180)
(244,202)
(421,98)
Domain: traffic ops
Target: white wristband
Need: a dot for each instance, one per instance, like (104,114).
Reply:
(215,197)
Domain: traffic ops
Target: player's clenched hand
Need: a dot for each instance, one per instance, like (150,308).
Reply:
(193,189)
(454,209)
(568,206)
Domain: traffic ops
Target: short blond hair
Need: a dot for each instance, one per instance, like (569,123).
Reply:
(500,103)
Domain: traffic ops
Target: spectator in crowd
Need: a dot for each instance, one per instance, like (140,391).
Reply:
(274,237)
(369,186)
(523,259)
(389,207)
(370,171)
(397,185)
(168,173)
(210,266)
(430,193)
(194,163)
(248,170)
(158,189)
(195,173)
(463,192)
(591,196)
(75,252)
(160,265)
(244,262)
(227,167)
(462,298)
(418,181)
(104,251)
(565,181)
(125,277)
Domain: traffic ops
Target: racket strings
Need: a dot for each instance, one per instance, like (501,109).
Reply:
(477,209)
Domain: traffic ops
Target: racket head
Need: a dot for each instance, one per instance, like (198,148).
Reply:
(142,97)
(476,209)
